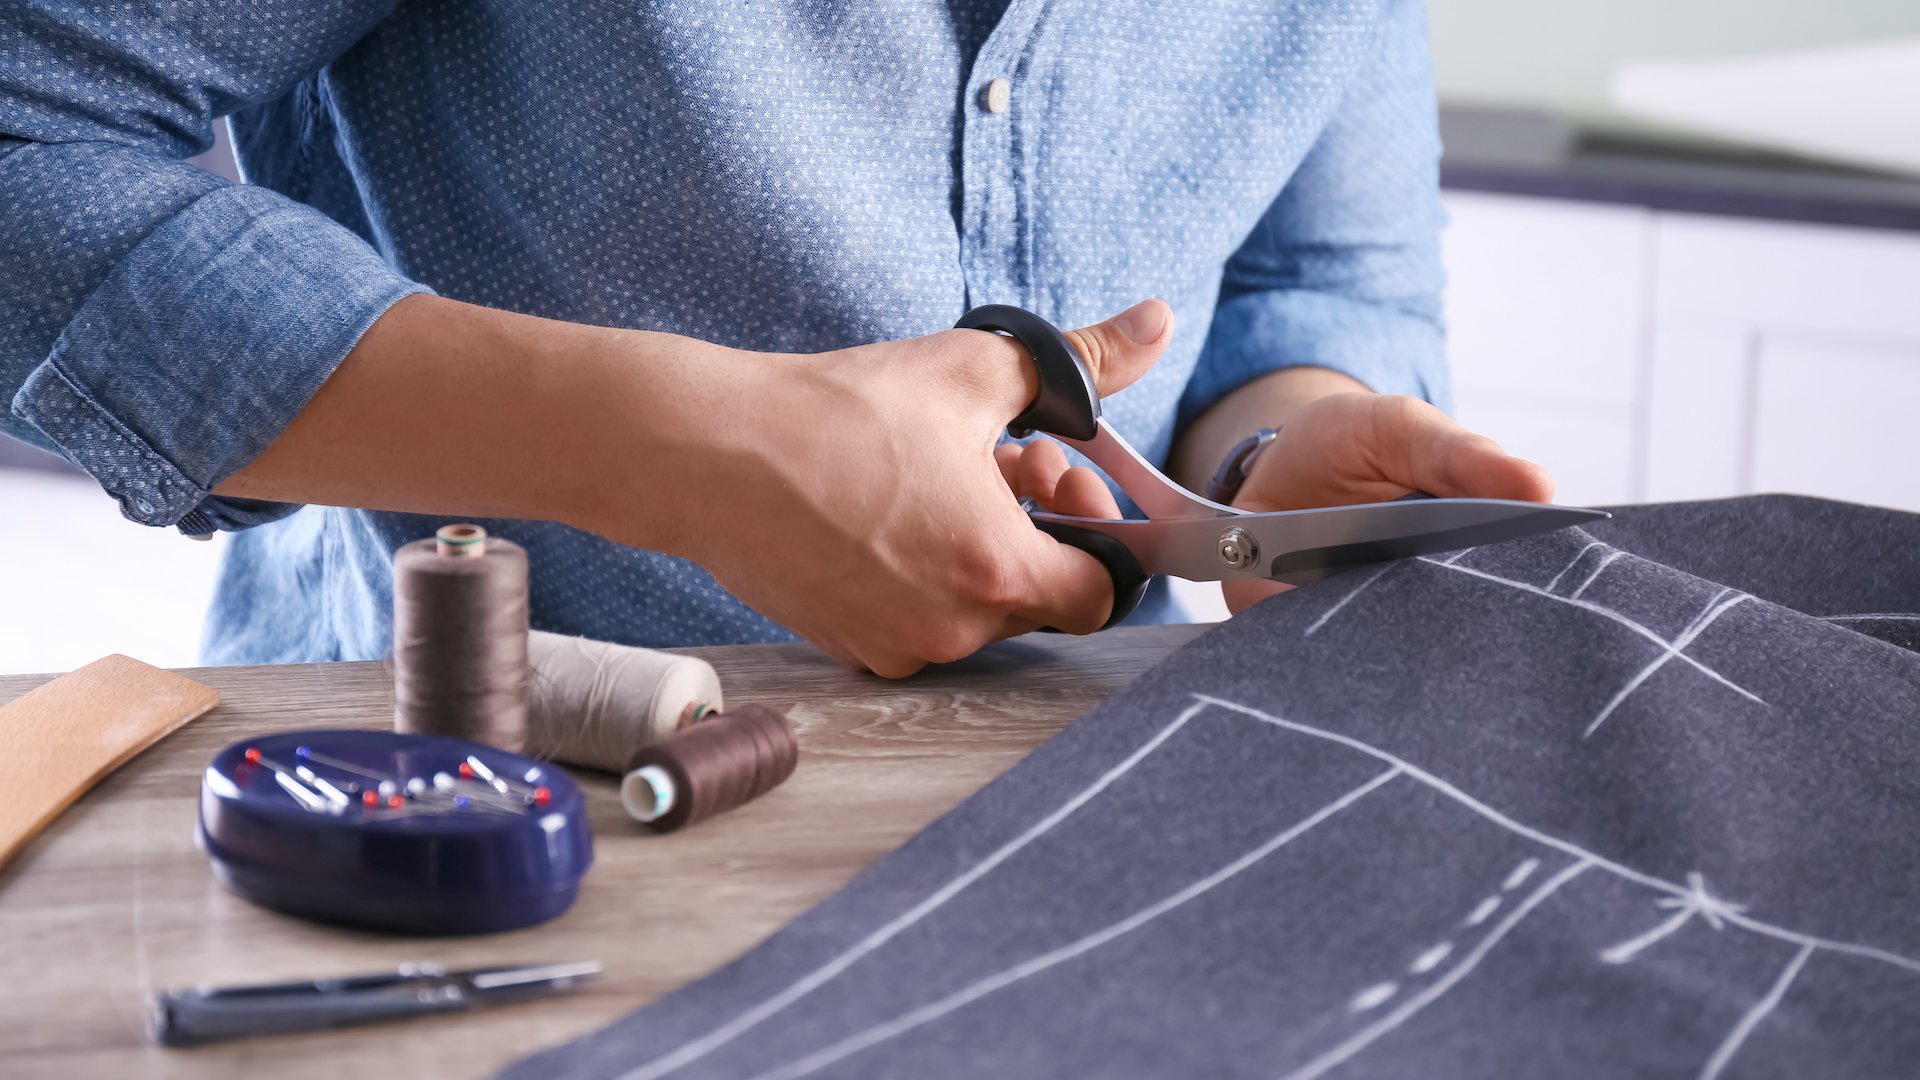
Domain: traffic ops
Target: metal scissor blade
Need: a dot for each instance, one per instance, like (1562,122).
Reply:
(1299,546)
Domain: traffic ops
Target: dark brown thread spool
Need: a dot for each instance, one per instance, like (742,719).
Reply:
(726,760)
(460,637)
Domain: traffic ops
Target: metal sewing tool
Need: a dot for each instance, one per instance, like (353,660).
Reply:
(203,1015)
(1191,537)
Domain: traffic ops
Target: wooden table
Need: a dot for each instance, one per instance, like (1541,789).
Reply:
(114,900)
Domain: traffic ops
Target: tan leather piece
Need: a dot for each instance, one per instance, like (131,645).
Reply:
(60,739)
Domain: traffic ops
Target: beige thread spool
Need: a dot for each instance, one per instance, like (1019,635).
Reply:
(594,703)
(460,637)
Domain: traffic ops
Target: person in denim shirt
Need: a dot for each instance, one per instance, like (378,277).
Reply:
(657,291)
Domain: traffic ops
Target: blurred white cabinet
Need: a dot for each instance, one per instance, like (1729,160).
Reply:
(1656,356)
(1784,358)
(1546,308)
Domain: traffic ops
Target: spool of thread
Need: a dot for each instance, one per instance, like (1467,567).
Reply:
(460,638)
(594,704)
(723,762)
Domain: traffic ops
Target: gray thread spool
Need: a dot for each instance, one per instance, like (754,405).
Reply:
(460,637)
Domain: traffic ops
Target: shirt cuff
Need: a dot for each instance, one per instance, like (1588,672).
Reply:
(1391,350)
(200,347)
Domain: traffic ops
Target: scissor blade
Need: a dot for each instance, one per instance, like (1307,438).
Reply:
(1299,546)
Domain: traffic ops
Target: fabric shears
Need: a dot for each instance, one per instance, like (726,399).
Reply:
(1188,536)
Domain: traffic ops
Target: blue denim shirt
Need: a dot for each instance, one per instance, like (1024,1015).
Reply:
(783,175)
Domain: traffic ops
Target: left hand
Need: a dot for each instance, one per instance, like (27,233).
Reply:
(1337,450)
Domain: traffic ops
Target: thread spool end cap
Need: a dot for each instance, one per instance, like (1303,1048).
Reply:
(460,541)
(648,793)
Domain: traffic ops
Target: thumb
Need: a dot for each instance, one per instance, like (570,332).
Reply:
(1122,348)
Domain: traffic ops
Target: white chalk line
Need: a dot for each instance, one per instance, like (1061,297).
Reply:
(1731,1045)
(1627,950)
(1695,629)
(1373,997)
(1363,1038)
(932,1011)
(1696,901)
(1588,605)
(1567,569)
(1883,616)
(1348,599)
(1430,959)
(1728,912)
(1595,576)
(1482,912)
(1520,874)
(696,1049)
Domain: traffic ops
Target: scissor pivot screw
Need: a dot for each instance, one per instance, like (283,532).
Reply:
(1238,548)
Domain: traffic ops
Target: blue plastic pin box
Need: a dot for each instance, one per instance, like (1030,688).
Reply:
(411,834)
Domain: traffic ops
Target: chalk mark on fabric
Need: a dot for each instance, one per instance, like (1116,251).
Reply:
(932,1011)
(1482,911)
(1520,874)
(1732,914)
(1604,612)
(1366,1036)
(1430,959)
(1349,598)
(1595,575)
(1373,997)
(1675,648)
(1565,570)
(1731,1045)
(696,1049)
(1696,901)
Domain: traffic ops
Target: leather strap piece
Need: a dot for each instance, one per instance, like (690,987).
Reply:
(58,740)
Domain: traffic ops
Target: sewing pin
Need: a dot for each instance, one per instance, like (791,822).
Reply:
(473,766)
(300,793)
(307,753)
(334,795)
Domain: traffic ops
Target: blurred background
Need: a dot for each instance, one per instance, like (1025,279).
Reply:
(1684,263)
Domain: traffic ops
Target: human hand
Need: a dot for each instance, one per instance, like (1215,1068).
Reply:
(864,509)
(1340,449)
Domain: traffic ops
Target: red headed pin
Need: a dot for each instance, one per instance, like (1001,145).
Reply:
(542,796)
(466,770)
(253,755)
(370,797)
(394,801)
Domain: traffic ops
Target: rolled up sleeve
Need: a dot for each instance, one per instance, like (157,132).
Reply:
(160,326)
(1343,270)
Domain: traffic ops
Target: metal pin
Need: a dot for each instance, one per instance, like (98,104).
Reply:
(334,795)
(480,770)
(300,793)
(336,763)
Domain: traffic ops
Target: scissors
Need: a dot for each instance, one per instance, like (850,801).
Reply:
(192,1017)
(1191,537)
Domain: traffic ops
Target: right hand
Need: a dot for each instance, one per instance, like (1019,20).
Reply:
(863,507)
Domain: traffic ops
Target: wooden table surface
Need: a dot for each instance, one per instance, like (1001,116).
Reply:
(114,900)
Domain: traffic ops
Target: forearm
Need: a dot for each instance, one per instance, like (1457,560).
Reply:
(1267,401)
(450,409)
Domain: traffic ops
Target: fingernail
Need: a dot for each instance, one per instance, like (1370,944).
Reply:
(1143,323)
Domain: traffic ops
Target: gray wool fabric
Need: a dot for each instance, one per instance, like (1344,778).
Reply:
(1639,800)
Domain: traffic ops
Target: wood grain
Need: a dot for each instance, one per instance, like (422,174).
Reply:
(113,900)
(60,738)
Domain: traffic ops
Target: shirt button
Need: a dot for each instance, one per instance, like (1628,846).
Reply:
(999,95)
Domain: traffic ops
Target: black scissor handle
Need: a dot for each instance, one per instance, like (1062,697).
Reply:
(1129,580)
(1068,403)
